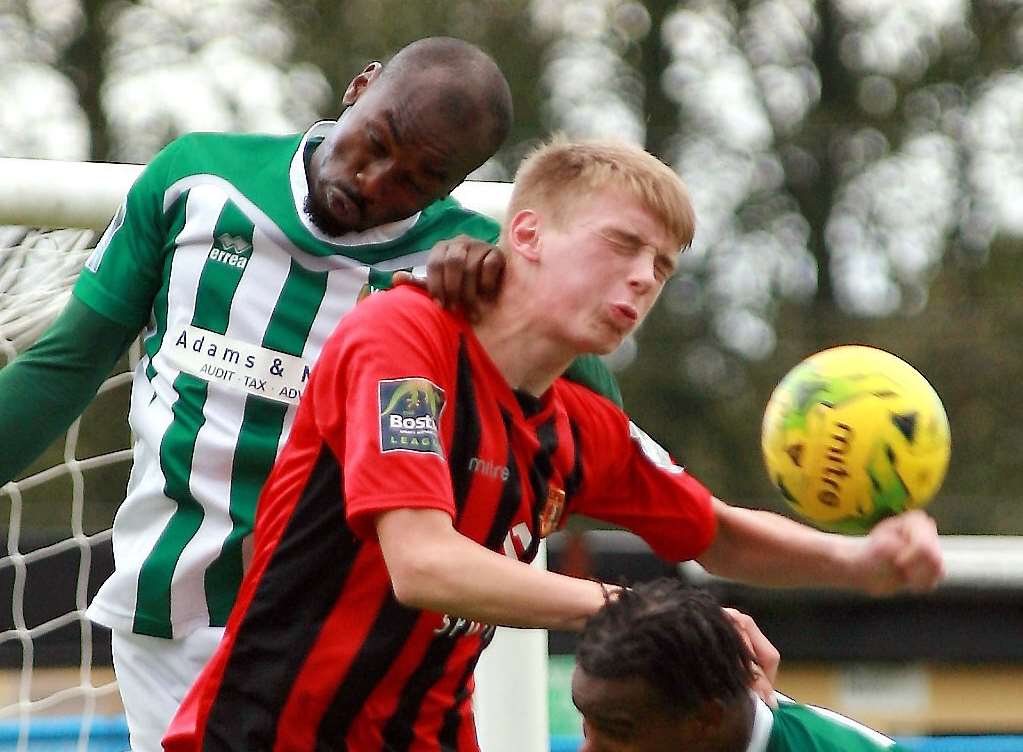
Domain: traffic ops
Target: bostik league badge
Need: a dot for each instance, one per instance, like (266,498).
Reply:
(410,412)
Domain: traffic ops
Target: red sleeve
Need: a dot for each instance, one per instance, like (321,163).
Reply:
(380,389)
(629,480)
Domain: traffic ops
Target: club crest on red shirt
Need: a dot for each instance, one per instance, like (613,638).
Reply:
(552,509)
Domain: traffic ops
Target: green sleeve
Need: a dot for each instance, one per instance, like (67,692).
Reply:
(48,386)
(124,272)
(590,371)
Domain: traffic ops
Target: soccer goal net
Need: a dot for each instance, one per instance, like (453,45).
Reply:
(53,662)
(48,649)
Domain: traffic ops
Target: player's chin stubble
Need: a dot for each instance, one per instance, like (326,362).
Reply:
(320,218)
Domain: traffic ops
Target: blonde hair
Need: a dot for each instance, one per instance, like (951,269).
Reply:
(559,173)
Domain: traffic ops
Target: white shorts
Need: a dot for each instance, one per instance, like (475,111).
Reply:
(153,676)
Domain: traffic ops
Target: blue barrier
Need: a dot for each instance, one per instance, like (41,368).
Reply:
(913,743)
(60,733)
(110,734)
(962,743)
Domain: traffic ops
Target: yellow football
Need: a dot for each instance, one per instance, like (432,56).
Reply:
(854,434)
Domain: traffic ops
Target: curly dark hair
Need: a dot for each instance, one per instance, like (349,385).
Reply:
(676,637)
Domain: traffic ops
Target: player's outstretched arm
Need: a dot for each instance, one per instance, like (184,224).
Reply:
(763,548)
(432,566)
(49,385)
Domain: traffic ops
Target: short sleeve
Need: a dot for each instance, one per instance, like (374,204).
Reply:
(628,479)
(387,394)
(124,272)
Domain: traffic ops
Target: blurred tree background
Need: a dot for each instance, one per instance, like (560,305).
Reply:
(855,165)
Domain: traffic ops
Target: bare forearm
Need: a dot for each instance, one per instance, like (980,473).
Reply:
(901,553)
(451,574)
(764,548)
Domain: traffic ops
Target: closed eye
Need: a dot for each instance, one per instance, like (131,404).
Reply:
(623,241)
(613,727)
(663,268)
(376,143)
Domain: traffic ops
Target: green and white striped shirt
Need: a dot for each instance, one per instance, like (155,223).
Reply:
(213,254)
(806,728)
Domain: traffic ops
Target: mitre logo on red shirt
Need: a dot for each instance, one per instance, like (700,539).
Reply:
(409,413)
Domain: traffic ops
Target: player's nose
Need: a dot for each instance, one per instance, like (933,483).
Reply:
(372,179)
(642,276)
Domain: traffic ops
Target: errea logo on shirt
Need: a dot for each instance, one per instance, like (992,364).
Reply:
(231,250)
(410,410)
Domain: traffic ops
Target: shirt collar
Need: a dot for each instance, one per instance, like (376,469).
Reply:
(763,721)
(300,190)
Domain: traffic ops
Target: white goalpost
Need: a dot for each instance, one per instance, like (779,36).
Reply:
(72,202)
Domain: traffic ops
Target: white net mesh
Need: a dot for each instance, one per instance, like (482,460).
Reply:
(37,269)
(52,535)
(59,513)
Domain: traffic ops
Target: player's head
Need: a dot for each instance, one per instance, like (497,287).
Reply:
(411,131)
(597,226)
(662,668)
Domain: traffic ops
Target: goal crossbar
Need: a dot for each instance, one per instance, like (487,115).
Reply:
(85,195)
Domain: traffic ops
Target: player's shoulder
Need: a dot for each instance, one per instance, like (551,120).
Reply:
(405,308)
(813,729)
(212,152)
(585,406)
(214,140)
(590,371)
(448,217)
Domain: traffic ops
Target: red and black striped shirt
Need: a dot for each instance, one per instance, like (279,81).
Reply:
(406,409)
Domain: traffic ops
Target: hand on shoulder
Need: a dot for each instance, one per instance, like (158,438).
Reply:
(462,273)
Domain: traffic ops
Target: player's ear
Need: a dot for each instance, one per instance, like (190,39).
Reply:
(524,234)
(361,82)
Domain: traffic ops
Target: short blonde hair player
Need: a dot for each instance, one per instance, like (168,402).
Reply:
(432,454)
(511,677)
